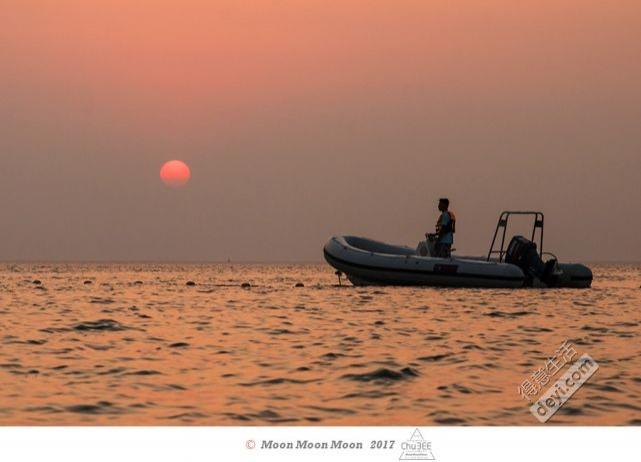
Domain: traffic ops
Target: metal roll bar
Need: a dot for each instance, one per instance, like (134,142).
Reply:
(502,223)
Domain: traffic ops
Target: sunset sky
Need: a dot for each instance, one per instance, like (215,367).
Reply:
(300,119)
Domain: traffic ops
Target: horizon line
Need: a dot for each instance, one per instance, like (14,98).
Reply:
(205,262)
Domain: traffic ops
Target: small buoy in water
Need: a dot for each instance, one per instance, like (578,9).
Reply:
(339,274)
(245,285)
(299,284)
(190,283)
(37,282)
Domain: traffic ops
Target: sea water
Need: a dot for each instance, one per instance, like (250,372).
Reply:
(170,344)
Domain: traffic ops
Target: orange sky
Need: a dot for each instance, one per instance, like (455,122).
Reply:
(309,118)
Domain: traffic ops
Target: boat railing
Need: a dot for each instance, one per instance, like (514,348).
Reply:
(502,224)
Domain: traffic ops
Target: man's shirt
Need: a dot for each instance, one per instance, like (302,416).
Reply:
(447,238)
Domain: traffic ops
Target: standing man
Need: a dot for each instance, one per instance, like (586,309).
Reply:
(445,229)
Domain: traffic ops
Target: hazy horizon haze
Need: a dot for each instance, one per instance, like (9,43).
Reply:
(303,120)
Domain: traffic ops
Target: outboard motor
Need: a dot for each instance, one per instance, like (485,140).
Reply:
(522,253)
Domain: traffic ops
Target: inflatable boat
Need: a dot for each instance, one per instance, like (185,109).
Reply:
(522,264)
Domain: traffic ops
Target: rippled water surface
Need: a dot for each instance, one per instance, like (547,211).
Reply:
(175,345)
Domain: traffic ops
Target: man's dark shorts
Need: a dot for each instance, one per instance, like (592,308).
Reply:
(443,250)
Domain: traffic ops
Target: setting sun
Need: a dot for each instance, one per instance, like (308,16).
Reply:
(175,173)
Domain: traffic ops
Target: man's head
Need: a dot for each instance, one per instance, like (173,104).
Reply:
(443,204)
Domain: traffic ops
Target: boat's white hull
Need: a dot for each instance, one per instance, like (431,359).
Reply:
(369,262)
(398,265)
